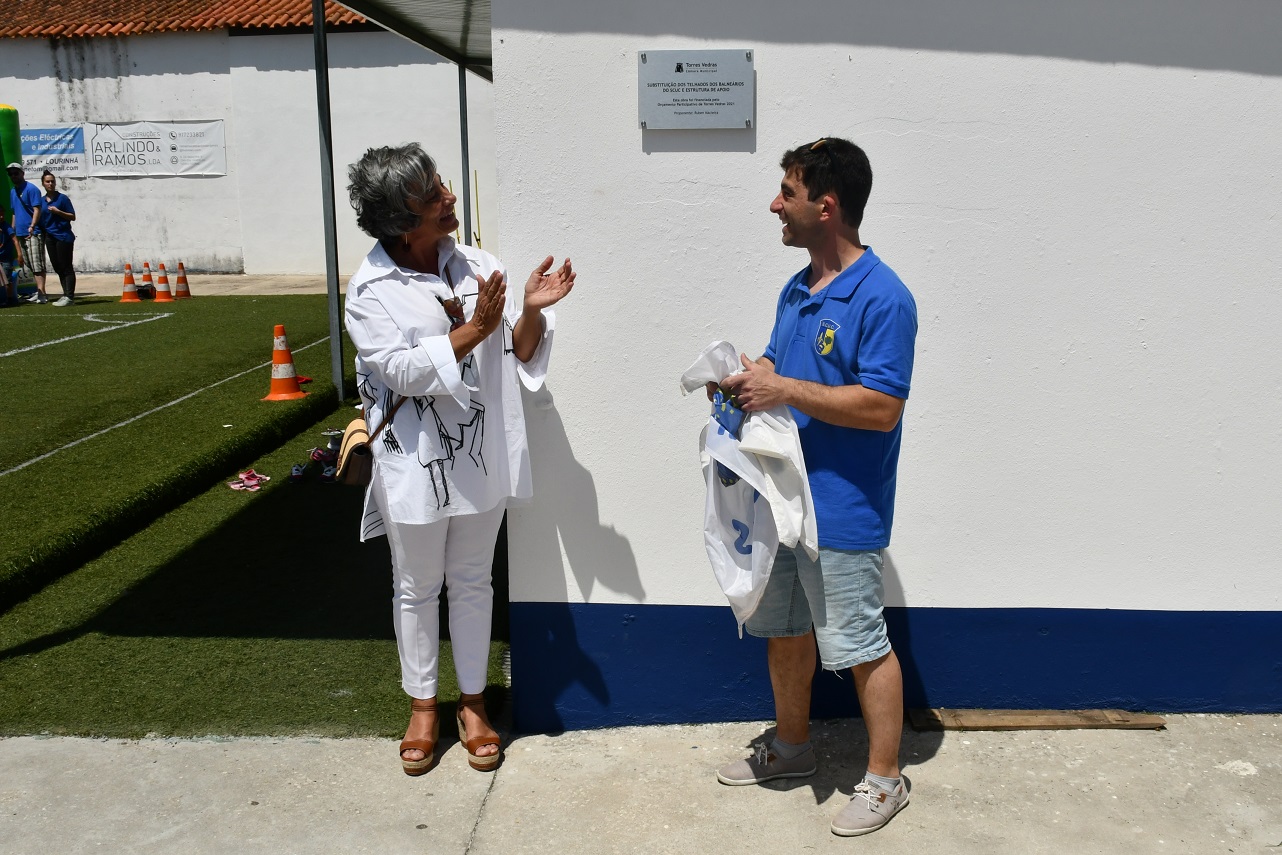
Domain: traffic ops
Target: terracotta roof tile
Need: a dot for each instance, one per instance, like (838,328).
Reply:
(89,18)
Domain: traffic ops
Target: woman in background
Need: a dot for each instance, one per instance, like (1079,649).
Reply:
(59,239)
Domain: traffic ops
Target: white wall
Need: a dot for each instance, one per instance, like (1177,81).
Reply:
(1089,225)
(265,215)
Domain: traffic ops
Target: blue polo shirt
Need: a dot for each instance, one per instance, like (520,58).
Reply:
(860,329)
(24,205)
(55,226)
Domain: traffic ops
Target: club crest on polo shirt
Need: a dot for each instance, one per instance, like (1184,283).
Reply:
(826,337)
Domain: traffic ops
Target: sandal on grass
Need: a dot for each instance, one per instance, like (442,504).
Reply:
(427,746)
(479,762)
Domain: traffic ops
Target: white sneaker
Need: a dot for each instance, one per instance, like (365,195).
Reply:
(64,301)
(41,299)
(869,809)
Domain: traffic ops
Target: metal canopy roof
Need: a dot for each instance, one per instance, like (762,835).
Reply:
(458,30)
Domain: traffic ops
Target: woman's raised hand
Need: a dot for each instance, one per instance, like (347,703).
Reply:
(545,289)
(491,294)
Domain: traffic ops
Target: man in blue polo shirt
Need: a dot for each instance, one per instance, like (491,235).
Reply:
(841,357)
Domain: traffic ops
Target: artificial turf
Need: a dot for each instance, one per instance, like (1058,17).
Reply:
(63,509)
(236,613)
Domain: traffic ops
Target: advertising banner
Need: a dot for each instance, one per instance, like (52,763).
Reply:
(156,148)
(61,150)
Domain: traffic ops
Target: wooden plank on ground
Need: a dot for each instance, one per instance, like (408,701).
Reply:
(952,719)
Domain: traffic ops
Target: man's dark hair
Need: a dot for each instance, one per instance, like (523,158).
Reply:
(836,166)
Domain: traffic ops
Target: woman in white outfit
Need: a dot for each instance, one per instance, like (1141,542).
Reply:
(442,345)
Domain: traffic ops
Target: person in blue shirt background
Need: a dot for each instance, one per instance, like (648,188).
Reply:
(10,254)
(28,215)
(59,239)
(841,357)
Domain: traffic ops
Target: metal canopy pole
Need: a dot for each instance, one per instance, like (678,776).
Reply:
(467,169)
(327,193)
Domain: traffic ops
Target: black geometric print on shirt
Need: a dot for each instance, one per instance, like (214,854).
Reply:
(470,436)
(391,444)
(508,347)
(473,438)
(467,371)
(440,486)
(372,524)
(365,389)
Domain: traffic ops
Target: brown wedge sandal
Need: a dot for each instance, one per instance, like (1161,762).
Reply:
(427,746)
(479,762)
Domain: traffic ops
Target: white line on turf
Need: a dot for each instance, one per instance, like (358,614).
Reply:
(133,419)
(97,319)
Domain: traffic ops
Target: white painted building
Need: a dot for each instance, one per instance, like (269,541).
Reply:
(264,215)
(1084,201)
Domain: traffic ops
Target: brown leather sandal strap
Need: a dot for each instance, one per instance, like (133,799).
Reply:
(427,746)
(477,741)
(478,701)
(426,705)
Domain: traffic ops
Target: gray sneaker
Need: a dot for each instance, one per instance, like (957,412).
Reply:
(869,809)
(764,766)
(64,301)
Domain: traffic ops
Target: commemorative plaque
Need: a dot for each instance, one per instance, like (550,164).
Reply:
(695,89)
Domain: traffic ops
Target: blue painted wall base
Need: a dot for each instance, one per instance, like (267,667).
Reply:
(578,666)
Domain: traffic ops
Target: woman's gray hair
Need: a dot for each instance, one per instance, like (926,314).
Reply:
(383,182)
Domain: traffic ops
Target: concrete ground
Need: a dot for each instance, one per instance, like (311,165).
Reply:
(1207,783)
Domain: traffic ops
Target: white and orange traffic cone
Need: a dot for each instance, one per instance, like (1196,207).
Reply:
(130,294)
(284,379)
(148,287)
(182,291)
(163,294)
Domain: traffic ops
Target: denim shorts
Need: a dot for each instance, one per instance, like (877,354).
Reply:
(840,596)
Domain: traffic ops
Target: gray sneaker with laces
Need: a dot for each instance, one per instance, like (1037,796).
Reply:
(764,766)
(63,301)
(870,808)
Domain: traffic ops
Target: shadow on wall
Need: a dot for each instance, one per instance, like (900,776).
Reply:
(899,627)
(564,520)
(566,517)
(1237,35)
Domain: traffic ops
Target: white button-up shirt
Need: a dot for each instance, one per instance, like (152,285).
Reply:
(458,445)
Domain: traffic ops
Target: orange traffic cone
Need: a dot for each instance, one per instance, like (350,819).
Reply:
(182,291)
(148,287)
(163,294)
(284,379)
(130,294)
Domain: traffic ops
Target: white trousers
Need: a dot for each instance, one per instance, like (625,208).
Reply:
(458,551)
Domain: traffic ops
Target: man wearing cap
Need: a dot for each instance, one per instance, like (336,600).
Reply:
(28,209)
(841,357)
